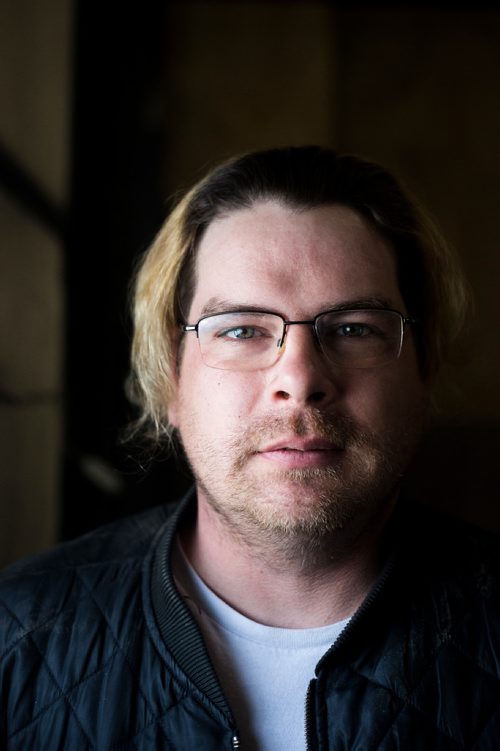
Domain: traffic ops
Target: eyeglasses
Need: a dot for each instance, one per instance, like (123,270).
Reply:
(251,340)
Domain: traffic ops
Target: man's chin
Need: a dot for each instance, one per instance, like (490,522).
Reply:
(307,522)
(304,508)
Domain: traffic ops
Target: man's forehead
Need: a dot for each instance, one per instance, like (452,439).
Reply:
(329,253)
(251,220)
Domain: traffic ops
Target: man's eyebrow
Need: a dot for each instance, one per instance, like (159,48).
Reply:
(364,302)
(219,305)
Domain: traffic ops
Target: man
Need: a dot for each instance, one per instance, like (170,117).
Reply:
(290,319)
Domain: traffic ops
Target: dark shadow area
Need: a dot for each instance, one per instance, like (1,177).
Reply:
(117,204)
(457,471)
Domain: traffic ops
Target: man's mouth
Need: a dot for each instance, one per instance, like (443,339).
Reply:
(297,452)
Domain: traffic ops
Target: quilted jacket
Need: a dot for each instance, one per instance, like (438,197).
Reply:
(98,651)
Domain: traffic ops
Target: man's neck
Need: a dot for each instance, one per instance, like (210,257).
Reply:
(283,591)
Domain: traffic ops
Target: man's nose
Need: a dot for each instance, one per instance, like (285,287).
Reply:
(302,373)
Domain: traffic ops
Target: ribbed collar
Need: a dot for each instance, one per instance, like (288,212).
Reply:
(177,627)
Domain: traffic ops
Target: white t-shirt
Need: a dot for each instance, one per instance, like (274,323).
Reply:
(264,671)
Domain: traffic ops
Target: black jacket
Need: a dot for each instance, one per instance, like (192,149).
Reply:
(98,651)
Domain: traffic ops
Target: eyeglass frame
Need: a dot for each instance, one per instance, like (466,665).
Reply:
(405,321)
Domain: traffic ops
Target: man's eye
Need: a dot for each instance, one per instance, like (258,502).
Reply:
(353,330)
(240,333)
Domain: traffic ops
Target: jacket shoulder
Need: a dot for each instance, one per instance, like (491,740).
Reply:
(76,644)
(37,591)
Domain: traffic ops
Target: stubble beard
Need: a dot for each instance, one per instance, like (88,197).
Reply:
(303,513)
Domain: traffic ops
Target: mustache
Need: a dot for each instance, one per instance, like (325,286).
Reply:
(339,430)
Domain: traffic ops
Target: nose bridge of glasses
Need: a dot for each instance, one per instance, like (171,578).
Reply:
(287,324)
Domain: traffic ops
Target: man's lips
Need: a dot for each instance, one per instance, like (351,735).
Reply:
(297,443)
(296,452)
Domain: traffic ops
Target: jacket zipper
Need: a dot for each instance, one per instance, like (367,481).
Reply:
(307,716)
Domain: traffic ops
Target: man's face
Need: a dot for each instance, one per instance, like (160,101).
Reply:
(302,448)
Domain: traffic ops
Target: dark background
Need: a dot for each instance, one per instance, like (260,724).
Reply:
(146,97)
